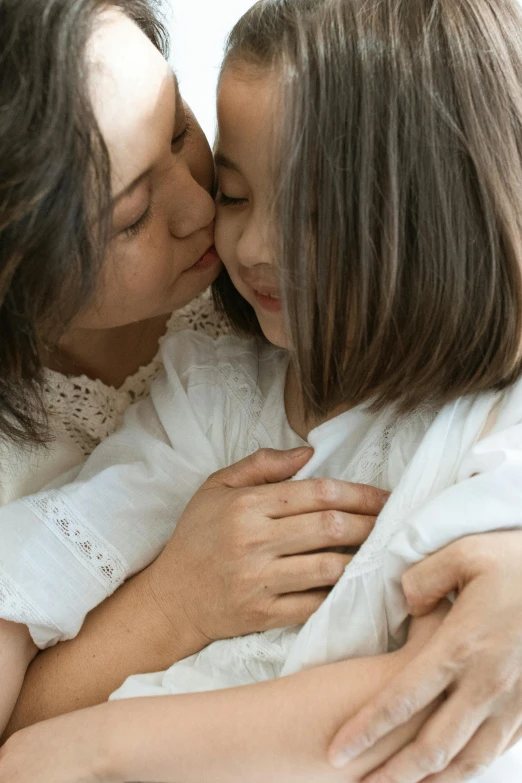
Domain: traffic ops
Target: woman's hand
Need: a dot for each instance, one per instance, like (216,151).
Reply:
(246,553)
(475,656)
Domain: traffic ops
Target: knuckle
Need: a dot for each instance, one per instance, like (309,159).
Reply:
(326,490)
(431,759)
(399,710)
(333,526)
(242,502)
(503,681)
(261,458)
(330,569)
(469,768)
(462,651)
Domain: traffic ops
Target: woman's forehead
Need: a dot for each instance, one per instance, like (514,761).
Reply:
(132,92)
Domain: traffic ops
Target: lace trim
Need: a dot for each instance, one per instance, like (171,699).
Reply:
(90,411)
(256,647)
(18,608)
(240,387)
(99,557)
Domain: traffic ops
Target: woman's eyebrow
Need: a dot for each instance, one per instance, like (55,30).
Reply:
(226,163)
(139,179)
(133,185)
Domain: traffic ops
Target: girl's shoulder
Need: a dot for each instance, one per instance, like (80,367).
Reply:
(196,357)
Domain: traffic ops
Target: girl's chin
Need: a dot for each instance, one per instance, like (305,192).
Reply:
(275,334)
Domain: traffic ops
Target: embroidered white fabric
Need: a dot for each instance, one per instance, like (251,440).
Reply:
(90,410)
(215,402)
(13,599)
(92,550)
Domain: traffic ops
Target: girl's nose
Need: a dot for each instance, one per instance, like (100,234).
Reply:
(253,247)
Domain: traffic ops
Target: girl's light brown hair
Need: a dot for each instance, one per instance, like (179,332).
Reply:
(398,201)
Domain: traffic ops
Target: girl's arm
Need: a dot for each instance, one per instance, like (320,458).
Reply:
(277,731)
(206,583)
(16,652)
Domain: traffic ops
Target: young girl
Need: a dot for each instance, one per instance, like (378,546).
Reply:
(369,164)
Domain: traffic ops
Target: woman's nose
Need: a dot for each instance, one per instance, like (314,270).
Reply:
(193,206)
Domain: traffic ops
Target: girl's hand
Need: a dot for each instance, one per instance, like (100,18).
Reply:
(248,552)
(475,656)
(68,749)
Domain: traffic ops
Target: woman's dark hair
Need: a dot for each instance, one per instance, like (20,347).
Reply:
(398,200)
(54,189)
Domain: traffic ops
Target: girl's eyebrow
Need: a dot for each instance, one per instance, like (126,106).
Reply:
(226,163)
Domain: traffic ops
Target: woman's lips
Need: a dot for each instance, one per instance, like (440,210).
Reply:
(210,259)
(268,302)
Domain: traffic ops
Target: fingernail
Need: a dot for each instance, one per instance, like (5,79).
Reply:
(300,451)
(342,758)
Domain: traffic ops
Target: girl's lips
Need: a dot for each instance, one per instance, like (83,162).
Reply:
(270,303)
(210,259)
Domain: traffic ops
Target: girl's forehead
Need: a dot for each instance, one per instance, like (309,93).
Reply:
(132,93)
(246,111)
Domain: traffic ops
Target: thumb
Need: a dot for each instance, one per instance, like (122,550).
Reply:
(266,466)
(427,582)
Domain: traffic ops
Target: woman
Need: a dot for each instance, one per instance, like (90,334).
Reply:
(99,340)
(92,118)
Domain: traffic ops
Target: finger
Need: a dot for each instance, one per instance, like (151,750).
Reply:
(490,741)
(436,576)
(266,466)
(307,572)
(291,498)
(320,530)
(297,608)
(439,741)
(517,737)
(417,686)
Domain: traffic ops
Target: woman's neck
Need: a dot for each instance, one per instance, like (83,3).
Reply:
(108,355)
(294,408)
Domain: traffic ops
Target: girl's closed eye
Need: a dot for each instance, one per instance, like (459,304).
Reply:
(228,201)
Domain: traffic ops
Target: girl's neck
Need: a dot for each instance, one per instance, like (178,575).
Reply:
(108,355)
(294,408)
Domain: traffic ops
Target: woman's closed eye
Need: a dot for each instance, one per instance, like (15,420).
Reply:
(144,219)
(178,140)
(139,224)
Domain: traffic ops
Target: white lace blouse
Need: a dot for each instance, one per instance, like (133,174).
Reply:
(452,472)
(83,412)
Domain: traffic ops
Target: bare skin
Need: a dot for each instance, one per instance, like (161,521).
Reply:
(277,730)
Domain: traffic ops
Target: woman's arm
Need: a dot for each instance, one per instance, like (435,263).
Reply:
(16,652)
(476,654)
(228,570)
(277,731)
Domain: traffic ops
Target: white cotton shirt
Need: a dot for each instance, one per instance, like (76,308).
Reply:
(452,472)
(83,411)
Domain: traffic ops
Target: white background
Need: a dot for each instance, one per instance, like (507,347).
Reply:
(198,31)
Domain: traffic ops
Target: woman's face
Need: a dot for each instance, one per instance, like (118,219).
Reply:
(161,253)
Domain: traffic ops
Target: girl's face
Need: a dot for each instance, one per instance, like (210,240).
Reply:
(160,254)
(244,230)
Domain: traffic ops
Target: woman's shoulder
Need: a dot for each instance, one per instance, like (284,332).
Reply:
(24,470)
